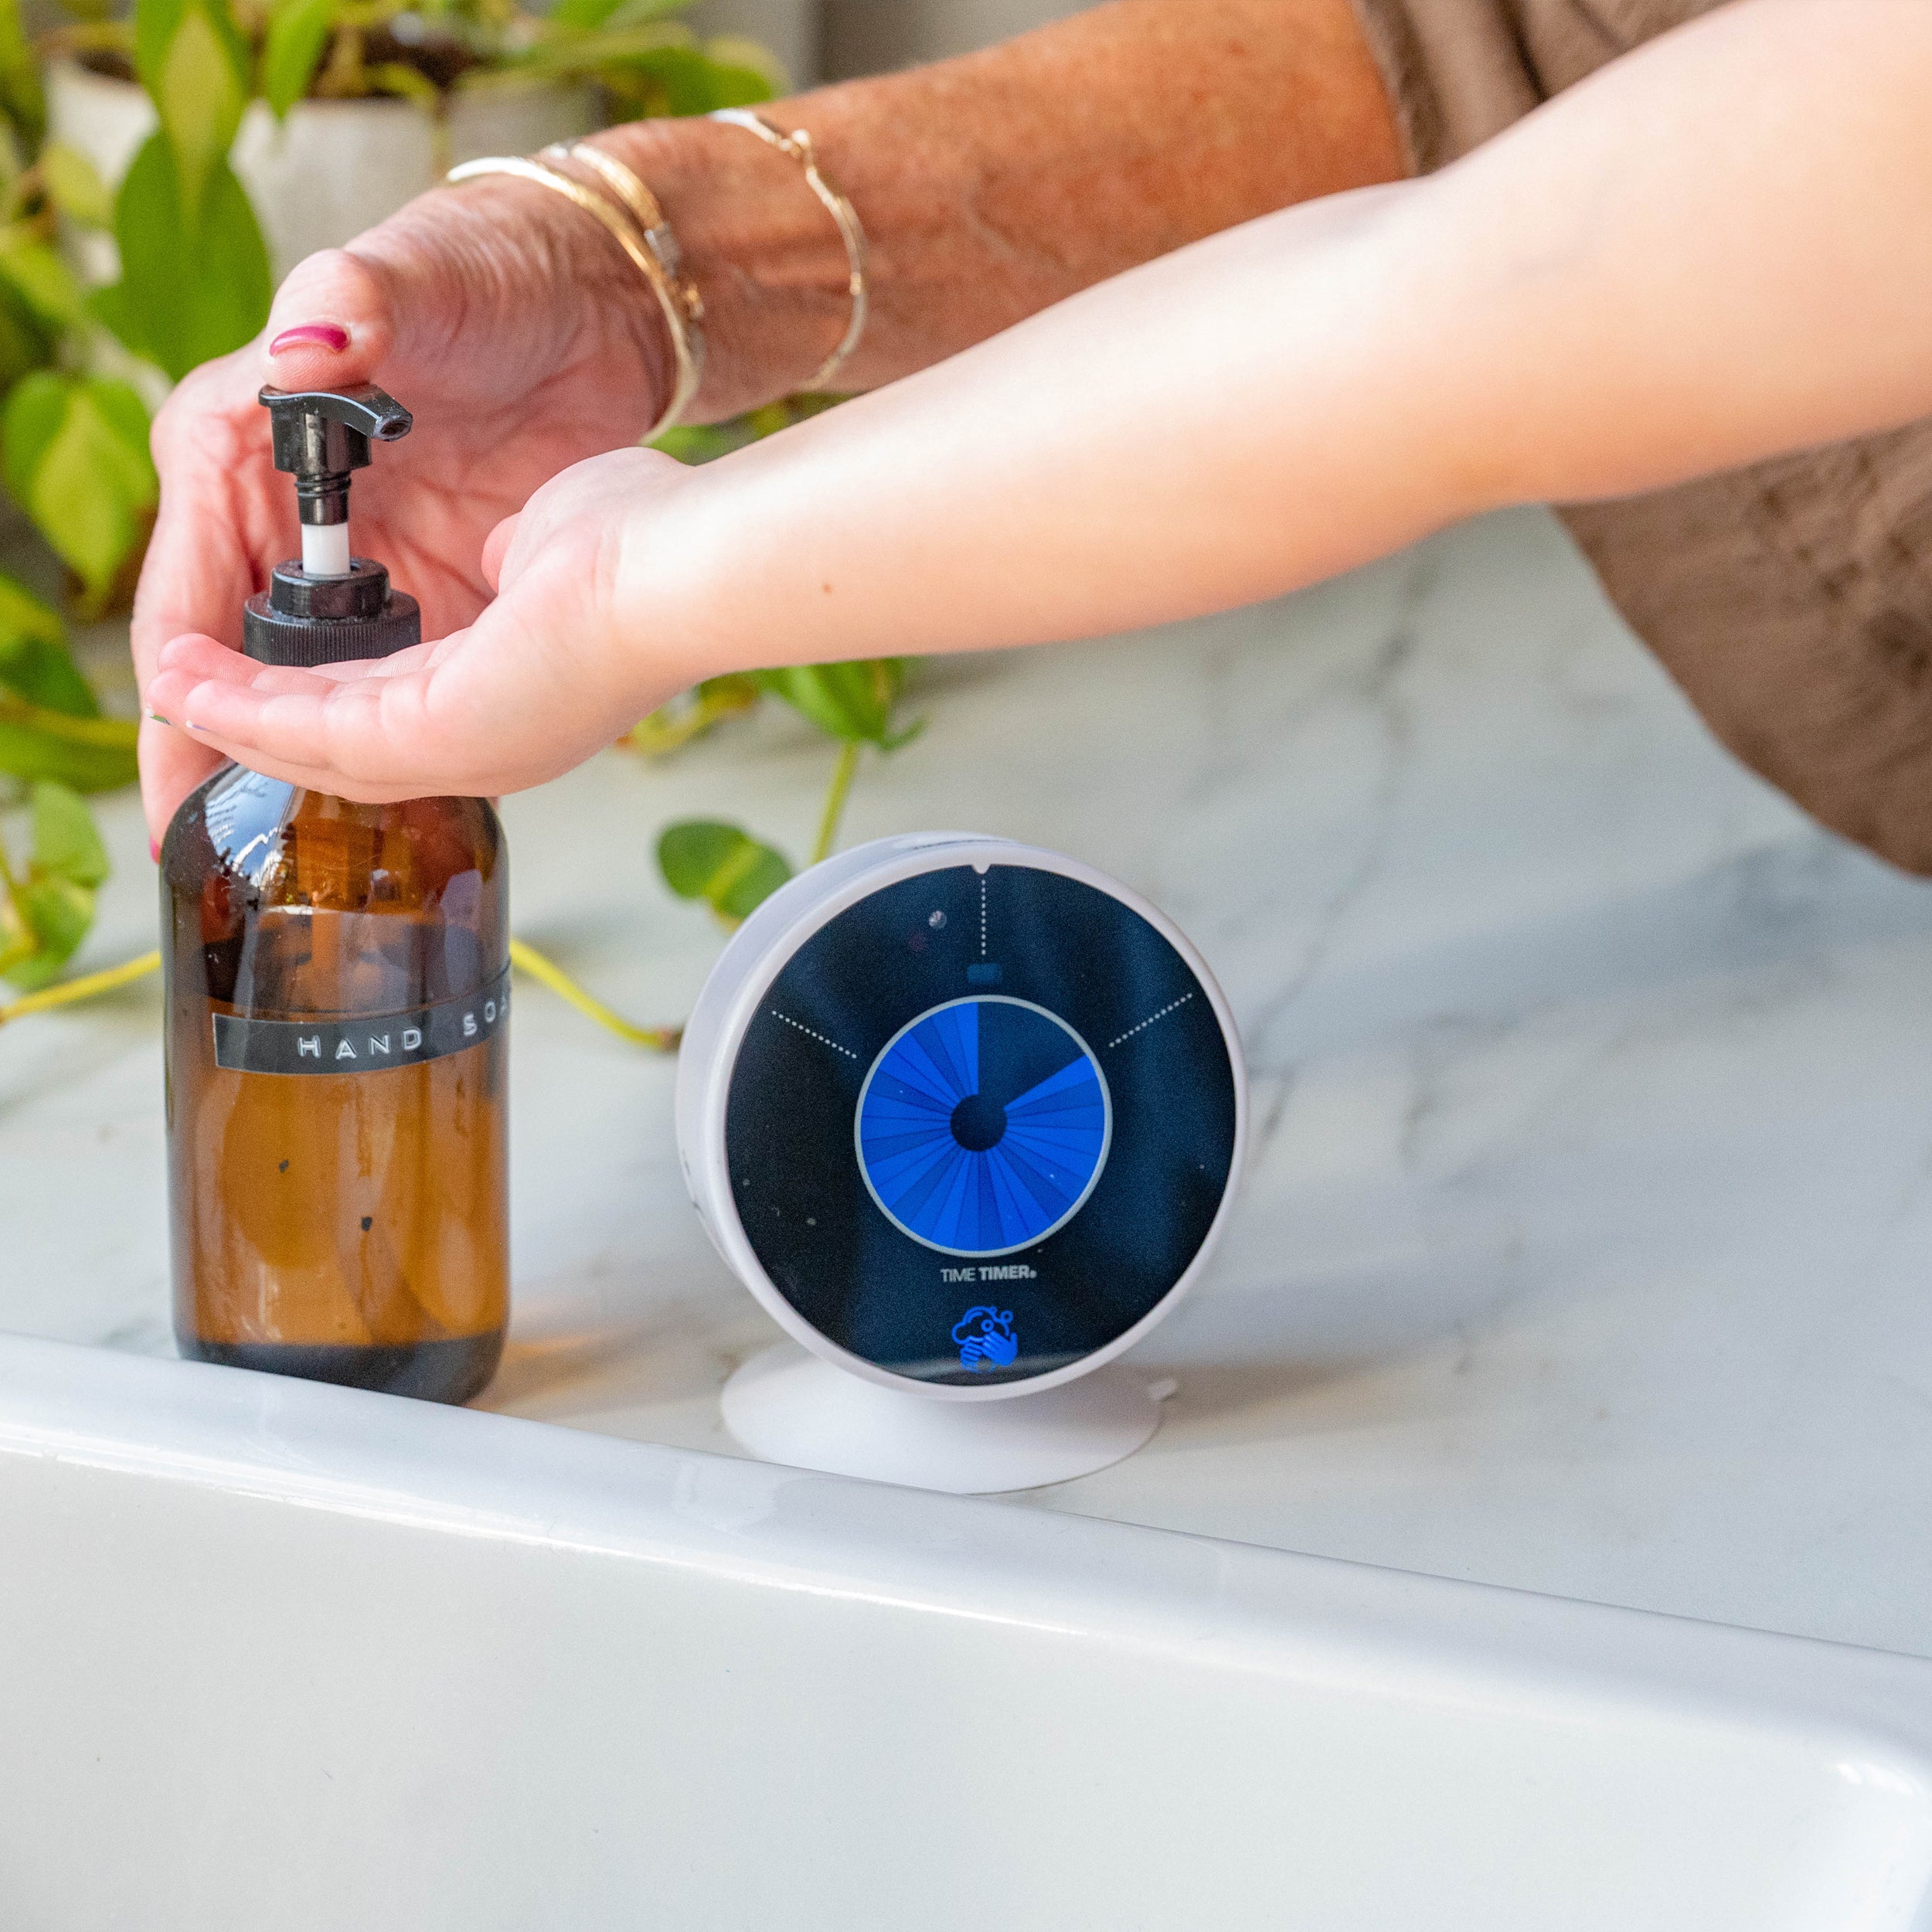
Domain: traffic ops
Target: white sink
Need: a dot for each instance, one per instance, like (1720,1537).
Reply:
(280,1656)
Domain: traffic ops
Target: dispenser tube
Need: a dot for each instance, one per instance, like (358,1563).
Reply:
(325,549)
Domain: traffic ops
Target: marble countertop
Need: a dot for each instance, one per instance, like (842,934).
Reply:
(1585,1243)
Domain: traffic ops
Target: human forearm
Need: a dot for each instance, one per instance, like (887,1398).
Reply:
(1712,253)
(1613,296)
(1213,428)
(521,334)
(994,186)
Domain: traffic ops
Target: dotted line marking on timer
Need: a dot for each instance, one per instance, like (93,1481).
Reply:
(1149,1021)
(810,1035)
(982,915)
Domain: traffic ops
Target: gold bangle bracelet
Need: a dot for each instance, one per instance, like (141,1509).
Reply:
(797,146)
(624,183)
(652,249)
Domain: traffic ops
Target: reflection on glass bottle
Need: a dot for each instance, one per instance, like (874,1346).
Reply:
(343,1216)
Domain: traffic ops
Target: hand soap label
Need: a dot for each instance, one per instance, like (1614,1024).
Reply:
(373,1045)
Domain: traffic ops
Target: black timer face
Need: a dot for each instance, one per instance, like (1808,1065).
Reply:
(981,1123)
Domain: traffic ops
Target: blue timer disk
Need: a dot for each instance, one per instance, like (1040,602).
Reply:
(983,1125)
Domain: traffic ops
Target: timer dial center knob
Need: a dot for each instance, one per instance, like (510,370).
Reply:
(979,1124)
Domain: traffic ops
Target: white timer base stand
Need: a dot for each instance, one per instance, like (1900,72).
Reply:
(788,1406)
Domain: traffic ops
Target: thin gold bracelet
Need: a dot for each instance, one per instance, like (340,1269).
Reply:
(650,247)
(797,146)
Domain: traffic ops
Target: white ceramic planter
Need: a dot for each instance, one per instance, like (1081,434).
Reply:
(789,29)
(333,167)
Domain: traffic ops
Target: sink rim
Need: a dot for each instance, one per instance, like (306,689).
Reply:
(1384,1632)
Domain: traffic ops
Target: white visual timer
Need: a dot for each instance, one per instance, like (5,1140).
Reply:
(965,1117)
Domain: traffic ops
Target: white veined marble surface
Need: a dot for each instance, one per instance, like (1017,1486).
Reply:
(1587,1243)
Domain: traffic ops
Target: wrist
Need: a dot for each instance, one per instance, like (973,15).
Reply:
(670,622)
(765,255)
(495,251)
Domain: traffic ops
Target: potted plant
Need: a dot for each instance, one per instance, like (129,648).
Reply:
(340,110)
(132,247)
(191,110)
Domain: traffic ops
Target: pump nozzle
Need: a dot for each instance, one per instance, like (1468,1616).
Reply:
(330,606)
(320,436)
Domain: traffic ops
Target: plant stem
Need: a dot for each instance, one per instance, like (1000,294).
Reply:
(660,1040)
(836,795)
(87,987)
(111,734)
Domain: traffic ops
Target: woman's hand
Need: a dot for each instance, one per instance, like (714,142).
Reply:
(549,672)
(519,336)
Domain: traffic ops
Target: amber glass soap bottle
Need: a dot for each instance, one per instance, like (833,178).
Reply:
(338,997)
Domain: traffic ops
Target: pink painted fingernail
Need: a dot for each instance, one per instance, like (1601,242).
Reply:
(154,850)
(323,335)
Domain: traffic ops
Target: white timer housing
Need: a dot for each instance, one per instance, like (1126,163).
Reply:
(966,1116)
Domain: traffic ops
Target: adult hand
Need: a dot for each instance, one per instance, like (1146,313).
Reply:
(519,338)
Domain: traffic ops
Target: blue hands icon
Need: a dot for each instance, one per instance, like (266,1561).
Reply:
(986,1339)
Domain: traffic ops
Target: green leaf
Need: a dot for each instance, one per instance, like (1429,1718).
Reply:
(73,186)
(851,701)
(50,722)
(91,754)
(156,23)
(692,713)
(34,661)
(43,282)
(76,460)
(585,15)
(56,914)
(603,48)
(66,845)
(189,291)
(20,95)
(695,442)
(194,62)
(398,79)
(649,65)
(113,309)
(744,71)
(662,78)
(49,912)
(12,166)
(26,342)
(721,864)
(298,30)
(704,442)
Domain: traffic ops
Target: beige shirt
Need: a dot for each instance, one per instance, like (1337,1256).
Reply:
(1791,600)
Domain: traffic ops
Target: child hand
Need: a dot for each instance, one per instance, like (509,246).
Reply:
(548,673)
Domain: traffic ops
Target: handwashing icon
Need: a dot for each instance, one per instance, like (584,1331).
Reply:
(986,1338)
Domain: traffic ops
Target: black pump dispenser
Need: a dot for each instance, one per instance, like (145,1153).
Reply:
(311,615)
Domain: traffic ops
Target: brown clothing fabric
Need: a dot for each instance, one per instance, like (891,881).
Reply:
(1791,600)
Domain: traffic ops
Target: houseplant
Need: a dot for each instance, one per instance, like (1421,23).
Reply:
(185,272)
(357,107)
